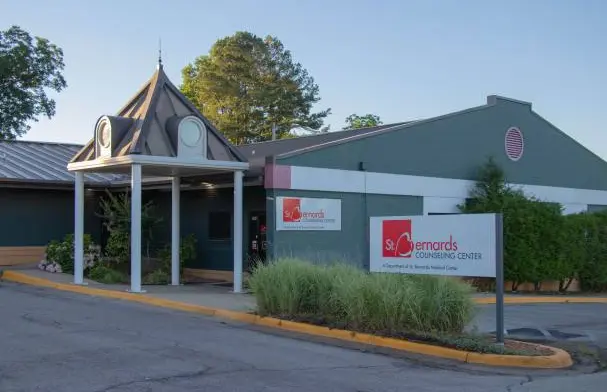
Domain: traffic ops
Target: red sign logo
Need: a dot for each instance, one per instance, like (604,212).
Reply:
(397,238)
(291,210)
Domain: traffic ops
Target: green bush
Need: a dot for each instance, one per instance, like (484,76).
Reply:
(62,253)
(187,253)
(118,247)
(105,274)
(116,217)
(540,243)
(156,277)
(346,297)
(593,270)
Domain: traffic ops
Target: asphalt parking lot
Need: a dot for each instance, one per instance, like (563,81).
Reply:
(58,341)
(550,322)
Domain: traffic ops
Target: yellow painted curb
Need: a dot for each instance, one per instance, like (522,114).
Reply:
(560,359)
(542,300)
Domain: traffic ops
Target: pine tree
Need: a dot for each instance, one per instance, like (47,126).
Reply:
(246,85)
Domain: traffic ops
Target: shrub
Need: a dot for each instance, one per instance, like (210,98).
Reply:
(156,277)
(540,243)
(116,217)
(346,297)
(187,253)
(574,249)
(593,271)
(118,247)
(105,274)
(62,254)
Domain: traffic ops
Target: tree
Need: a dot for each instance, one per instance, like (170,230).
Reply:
(354,121)
(28,66)
(247,84)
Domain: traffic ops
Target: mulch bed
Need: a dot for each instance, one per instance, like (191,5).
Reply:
(530,348)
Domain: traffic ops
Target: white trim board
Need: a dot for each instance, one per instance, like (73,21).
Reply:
(334,180)
(161,161)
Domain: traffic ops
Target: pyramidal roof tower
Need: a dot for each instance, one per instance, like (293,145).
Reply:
(158,121)
(157,133)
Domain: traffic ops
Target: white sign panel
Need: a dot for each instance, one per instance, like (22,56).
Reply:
(456,245)
(302,213)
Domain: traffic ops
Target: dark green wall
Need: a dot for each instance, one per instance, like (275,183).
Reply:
(454,146)
(348,245)
(36,217)
(195,208)
(596,208)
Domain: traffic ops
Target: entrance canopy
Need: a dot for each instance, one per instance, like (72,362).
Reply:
(158,133)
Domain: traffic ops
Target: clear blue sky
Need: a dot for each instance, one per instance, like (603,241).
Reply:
(399,59)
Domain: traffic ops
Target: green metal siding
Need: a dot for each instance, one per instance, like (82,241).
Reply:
(596,208)
(350,245)
(454,147)
(36,217)
(195,209)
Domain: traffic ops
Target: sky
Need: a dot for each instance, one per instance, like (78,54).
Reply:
(402,60)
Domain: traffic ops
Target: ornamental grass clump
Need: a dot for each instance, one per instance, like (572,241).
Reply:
(347,297)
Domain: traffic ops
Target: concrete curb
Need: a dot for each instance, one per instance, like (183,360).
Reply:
(560,359)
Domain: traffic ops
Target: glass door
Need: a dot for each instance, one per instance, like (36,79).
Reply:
(257,246)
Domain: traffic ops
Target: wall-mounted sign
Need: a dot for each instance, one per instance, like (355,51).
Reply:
(456,245)
(303,213)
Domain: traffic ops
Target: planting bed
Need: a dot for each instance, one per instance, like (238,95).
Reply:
(422,309)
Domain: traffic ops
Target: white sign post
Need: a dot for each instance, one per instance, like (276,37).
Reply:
(468,245)
(304,213)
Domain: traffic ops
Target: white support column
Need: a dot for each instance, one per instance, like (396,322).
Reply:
(238,231)
(175,232)
(136,228)
(79,229)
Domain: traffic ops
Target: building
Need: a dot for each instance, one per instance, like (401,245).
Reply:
(333,181)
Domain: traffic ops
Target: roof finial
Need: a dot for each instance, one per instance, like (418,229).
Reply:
(159,53)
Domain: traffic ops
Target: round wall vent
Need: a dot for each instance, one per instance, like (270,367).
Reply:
(514,143)
(191,131)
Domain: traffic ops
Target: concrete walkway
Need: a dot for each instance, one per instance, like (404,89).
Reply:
(203,294)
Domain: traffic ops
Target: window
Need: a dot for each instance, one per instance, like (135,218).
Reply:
(220,225)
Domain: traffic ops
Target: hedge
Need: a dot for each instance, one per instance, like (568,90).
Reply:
(540,243)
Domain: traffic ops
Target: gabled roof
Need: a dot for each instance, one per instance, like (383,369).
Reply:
(257,152)
(491,101)
(144,125)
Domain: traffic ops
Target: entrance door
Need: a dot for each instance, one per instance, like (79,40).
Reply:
(257,239)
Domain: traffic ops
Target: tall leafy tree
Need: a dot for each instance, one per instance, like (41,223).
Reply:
(28,67)
(355,121)
(247,84)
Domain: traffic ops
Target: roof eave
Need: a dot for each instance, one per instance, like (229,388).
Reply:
(151,160)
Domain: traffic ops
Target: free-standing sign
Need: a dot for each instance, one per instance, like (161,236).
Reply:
(303,213)
(456,245)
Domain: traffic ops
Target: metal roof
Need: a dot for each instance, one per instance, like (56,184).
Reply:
(143,125)
(257,152)
(42,162)
(46,162)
